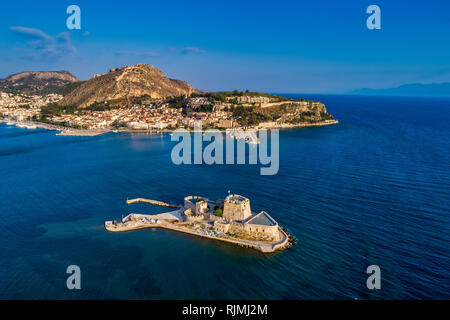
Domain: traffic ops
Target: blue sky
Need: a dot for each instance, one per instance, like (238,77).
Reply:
(274,46)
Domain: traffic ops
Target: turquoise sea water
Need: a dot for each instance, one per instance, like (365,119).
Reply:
(374,189)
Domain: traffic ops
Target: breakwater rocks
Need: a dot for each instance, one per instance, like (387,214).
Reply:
(291,240)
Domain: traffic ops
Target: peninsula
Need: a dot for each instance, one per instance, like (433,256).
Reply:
(141,98)
(230,220)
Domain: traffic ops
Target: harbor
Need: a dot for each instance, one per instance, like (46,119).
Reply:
(248,136)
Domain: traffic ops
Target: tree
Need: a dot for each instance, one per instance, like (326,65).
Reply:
(218,212)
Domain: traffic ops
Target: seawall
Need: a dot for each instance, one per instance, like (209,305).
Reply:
(265,248)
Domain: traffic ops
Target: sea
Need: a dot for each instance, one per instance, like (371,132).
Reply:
(371,190)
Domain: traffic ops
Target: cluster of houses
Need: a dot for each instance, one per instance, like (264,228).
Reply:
(134,118)
(12,100)
(144,118)
(18,113)
(148,116)
(22,107)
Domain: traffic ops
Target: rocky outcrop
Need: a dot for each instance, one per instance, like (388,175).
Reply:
(297,112)
(37,82)
(122,85)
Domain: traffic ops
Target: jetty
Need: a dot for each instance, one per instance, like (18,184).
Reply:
(153,202)
(82,132)
(238,225)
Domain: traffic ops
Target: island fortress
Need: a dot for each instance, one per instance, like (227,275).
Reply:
(230,220)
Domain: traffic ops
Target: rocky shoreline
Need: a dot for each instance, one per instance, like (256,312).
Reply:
(291,240)
(300,125)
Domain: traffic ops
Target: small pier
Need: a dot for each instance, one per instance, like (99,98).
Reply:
(154,202)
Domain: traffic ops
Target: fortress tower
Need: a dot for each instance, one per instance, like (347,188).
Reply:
(236,207)
(198,205)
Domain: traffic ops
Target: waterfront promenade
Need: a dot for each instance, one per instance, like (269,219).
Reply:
(63,131)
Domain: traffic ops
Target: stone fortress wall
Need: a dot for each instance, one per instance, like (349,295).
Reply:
(250,99)
(236,208)
(237,217)
(196,208)
(221,226)
(256,229)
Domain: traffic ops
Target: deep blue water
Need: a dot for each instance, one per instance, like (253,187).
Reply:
(374,189)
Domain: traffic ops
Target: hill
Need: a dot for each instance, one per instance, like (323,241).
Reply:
(122,86)
(39,83)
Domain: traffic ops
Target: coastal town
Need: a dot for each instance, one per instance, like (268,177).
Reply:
(230,220)
(156,116)
(141,98)
(22,107)
(150,116)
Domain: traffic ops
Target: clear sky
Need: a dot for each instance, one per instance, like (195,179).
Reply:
(274,46)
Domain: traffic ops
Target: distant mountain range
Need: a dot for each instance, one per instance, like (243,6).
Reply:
(41,83)
(412,90)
